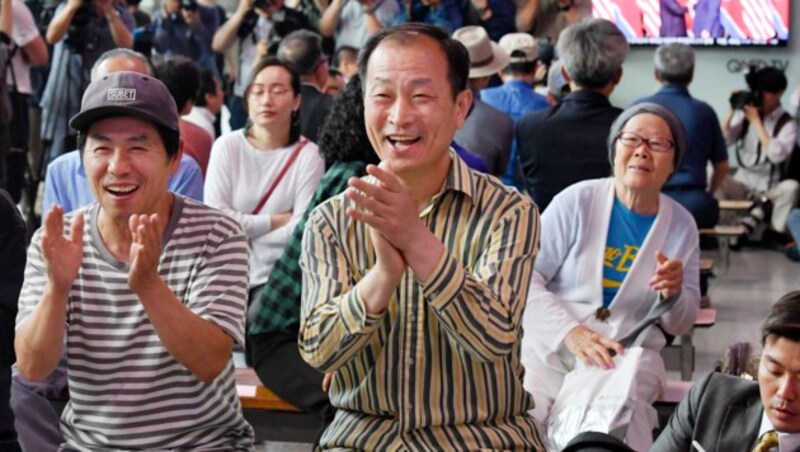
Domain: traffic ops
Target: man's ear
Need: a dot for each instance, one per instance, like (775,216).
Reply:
(565,74)
(175,160)
(463,104)
(617,76)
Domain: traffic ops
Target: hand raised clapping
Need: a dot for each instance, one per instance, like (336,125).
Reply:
(146,233)
(62,255)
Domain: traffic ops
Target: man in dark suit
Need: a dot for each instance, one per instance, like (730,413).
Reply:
(302,51)
(487,58)
(727,413)
(566,143)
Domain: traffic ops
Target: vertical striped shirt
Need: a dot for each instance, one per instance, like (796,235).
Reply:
(440,367)
(126,390)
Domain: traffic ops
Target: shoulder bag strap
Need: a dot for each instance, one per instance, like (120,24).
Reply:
(292,158)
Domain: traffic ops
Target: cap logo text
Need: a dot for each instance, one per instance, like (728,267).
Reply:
(121,94)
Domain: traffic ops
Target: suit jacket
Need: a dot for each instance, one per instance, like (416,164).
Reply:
(492,146)
(721,412)
(707,18)
(565,144)
(673,21)
(314,108)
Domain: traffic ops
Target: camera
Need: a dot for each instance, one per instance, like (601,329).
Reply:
(752,96)
(143,38)
(739,99)
(78,40)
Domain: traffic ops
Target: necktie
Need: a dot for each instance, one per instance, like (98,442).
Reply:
(767,442)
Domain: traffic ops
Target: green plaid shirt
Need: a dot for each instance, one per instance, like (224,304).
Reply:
(279,304)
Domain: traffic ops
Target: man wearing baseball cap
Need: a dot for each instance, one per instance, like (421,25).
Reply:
(150,307)
(516,96)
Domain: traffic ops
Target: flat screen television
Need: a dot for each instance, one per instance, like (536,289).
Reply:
(699,22)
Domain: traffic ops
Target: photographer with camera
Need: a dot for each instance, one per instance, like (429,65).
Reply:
(254,22)
(764,135)
(81,31)
(179,30)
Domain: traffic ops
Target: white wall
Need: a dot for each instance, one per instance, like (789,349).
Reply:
(713,77)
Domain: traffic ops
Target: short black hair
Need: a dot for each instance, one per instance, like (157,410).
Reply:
(521,67)
(208,85)
(783,320)
(170,138)
(770,79)
(181,77)
(456,53)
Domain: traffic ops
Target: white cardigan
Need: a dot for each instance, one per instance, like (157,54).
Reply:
(566,288)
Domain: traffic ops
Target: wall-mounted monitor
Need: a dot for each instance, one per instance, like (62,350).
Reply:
(699,22)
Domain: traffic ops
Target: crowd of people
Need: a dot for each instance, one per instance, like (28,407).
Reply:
(420,222)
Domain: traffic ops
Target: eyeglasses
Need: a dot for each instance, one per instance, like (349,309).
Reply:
(274,91)
(634,140)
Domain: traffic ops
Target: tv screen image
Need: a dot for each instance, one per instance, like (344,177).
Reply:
(699,22)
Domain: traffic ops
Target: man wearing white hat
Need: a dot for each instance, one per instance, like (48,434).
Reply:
(486,59)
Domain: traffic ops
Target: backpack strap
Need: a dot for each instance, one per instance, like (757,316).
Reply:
(777,170)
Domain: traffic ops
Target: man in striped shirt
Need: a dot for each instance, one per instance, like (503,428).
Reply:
(414,279)
(148,287)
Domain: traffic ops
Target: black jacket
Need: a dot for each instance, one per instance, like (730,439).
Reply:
(314,108)
(565,144)
(12,261)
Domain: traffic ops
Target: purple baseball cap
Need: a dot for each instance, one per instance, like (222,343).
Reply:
(127,94)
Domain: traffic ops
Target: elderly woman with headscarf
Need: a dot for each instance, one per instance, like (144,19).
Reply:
(613,250)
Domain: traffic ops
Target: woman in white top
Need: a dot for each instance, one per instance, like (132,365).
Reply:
(246,163)
(615,254)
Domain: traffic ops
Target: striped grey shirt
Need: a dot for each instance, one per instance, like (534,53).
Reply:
(126,390)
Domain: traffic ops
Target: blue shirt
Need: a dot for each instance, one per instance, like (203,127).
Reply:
(66,184)
(516,99)
(704,136)
(626,233)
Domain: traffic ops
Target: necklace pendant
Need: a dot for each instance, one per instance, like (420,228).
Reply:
(602,313)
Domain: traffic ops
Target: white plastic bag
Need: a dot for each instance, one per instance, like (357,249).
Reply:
(594,399)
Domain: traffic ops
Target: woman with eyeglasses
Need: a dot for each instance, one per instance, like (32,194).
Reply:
(265,174)
(615,252)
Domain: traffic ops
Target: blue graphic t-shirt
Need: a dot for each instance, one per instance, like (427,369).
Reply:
(626,233)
